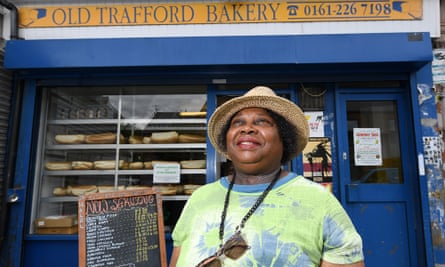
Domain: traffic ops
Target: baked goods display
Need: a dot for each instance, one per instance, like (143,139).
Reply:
(108,164)
(82,165)
(58,166)
(123,165)
(168,137)
(193,164)
(103,138)
(191,138)
(136,165)
(145,158)
(169,189)
(190,188)
(109,188)
(164,137)
(132,141)
(135,139)
(165,189)
(70,138)
(77,190)
(193,114)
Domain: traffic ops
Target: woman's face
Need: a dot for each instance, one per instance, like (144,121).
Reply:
(253,141)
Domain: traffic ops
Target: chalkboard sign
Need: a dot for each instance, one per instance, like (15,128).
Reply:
(122,228)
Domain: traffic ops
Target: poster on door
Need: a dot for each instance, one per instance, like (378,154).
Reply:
(317,161)
(316,124)
(367,147)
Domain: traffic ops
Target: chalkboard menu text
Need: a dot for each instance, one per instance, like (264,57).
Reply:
(122,228)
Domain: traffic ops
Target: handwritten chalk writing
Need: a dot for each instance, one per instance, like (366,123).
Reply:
(121,229)
(104,206)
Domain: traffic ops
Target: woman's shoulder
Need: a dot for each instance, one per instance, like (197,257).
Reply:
(300,183)
(206,190)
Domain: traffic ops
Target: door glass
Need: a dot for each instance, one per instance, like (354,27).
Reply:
(373,135)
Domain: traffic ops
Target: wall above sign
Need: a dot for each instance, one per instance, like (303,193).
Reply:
(217,13)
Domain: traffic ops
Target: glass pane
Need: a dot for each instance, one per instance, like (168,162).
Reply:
(104,139)
(381,116)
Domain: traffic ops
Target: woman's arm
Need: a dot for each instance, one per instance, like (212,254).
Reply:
(328,264)
(175,255)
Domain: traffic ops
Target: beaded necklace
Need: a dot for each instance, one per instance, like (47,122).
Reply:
(250,212)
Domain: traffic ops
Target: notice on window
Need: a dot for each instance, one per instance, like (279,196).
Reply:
(166,173)
(316,124)
(367,147)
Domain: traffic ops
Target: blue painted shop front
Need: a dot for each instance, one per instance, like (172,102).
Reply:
(354,69)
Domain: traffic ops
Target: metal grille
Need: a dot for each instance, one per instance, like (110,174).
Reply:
(311,97)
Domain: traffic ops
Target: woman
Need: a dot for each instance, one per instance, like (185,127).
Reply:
(263,215)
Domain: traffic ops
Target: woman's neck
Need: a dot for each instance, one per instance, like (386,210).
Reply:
(251,179)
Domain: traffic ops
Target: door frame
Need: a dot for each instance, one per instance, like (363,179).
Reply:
(409,167)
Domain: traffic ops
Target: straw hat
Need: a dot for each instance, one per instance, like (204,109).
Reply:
(261,97)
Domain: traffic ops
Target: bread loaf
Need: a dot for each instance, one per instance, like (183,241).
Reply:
(165,189)
(135,139)
(148,165)
(108,164)
(193,164)
(137,187)
(191,138)
(146,140)
(193,114)
(136,165)
(109,188)
(190,188)
(77,190)
(59,191)
(58,166)
(82,165)
(164,137)
(103,138)
(70,138)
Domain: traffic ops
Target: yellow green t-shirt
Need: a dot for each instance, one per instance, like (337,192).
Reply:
(298,224)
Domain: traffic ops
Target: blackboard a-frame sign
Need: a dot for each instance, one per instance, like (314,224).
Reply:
(122,228)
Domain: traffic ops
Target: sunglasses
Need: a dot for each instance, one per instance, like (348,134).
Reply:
(234,248)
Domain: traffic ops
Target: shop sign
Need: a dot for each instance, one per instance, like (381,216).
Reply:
(367,147)
(217,13)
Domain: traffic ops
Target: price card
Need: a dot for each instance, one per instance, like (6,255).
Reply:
(167,173)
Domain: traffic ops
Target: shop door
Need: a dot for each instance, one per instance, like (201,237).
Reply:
(378,176)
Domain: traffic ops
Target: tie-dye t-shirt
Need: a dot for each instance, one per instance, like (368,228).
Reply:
(298,224)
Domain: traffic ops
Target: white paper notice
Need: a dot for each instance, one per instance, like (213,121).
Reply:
(367,147)
(166,173)
(316,124)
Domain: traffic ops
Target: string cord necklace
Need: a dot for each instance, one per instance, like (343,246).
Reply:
(250,212)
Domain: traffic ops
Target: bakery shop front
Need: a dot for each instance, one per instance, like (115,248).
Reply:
(102,114)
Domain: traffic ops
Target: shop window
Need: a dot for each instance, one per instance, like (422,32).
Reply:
(110,139)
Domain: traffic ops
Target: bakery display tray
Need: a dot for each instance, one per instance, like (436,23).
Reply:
(112,172)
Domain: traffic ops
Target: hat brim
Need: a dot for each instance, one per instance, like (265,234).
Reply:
(282,106)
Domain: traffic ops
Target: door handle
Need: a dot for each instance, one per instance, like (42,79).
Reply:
(14,195)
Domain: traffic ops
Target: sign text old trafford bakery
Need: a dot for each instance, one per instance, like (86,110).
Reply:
(218,13)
